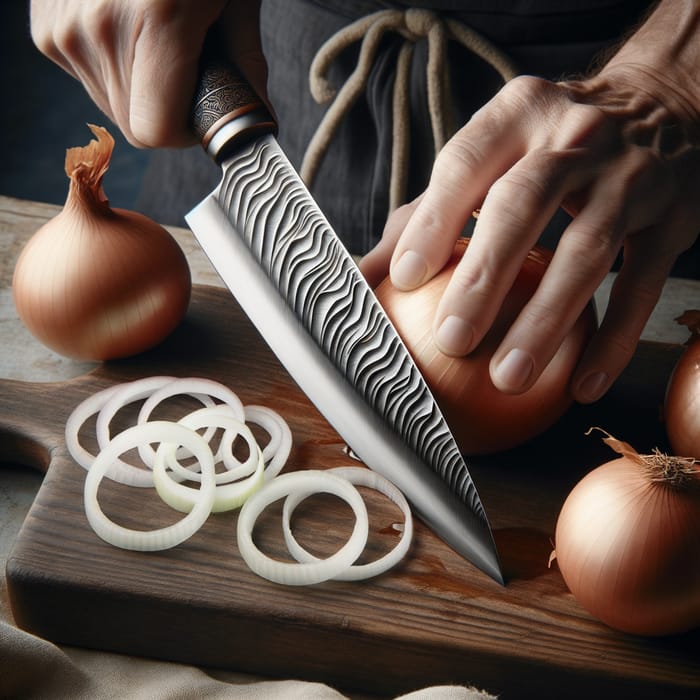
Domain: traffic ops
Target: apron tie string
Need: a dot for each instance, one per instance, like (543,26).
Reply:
(413,25)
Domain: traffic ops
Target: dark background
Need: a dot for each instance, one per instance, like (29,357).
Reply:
(44,111)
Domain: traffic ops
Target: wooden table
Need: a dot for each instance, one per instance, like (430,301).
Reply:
(514,615)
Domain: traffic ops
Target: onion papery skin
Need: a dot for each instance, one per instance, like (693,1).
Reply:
(98,283)
(110,288)
(628,549)
(682,403)
(483,419)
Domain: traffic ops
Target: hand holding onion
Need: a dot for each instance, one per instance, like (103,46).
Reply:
(483,419)
(98,283)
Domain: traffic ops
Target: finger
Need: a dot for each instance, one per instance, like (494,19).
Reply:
(52,37)
(375,265)
(634,295)
(621,204)
(240,23)
(163,80)
(515,211)
(465,168)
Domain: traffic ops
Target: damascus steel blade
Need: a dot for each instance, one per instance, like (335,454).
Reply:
(274,249)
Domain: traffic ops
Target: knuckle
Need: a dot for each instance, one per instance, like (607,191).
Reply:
(585,125)
(457,162)
(596,244)
(523,89)
(621,346)
(544,319)
(516,195)
(96,21)
(42,37)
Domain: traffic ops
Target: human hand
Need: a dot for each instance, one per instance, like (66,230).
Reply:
(620,153)
(138,59)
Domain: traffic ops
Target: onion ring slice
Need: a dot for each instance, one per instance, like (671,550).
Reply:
(86,408)
(162,538)
(227,496)
(217,416)
(359,476)
(301,573)
(276,452)
(124,394)
(190,386)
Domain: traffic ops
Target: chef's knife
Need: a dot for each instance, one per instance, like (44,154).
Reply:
(288,270)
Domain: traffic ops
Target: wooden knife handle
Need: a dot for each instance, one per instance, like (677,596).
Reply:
(226,110)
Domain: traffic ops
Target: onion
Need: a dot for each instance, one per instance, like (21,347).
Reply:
(627,542)
(682,402)
(302,573)
(277,450)
(258,482)
(227,495)
(359,477)
(483,419)
(97,283)
(162,538)
(189,386)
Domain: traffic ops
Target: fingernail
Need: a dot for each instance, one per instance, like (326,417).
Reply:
(513,371)
(409,271)
(592,387)
(454,336)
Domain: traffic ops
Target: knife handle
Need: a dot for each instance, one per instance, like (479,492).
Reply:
(226,110)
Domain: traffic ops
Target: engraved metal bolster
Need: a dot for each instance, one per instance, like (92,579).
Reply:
(227,111)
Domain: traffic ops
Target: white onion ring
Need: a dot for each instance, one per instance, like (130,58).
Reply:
(209,417)
(86,408)
(187,386)
(227,496)
(358,476)
(162,538)
(304,573)
(276,452)
(134,391)
(124,394)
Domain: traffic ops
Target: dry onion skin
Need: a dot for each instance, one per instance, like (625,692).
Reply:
(250,484)
(627,542)
(482,418)
(682,401)
(96,282)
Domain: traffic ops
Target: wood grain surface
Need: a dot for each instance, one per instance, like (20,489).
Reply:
(434,619)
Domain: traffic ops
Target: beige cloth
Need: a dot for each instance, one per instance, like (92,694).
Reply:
(35,669)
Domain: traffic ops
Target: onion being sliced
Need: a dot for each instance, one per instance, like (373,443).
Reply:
(227,496)
(358,476)
(302,573)
(276,452)
(162,538)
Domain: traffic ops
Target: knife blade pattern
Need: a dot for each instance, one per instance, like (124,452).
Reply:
(269,205)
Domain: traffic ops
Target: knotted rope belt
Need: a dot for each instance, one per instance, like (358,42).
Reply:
(413,25)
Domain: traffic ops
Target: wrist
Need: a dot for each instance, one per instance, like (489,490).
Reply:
(663,56)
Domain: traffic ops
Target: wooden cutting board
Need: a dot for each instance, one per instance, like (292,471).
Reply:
(434,619)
